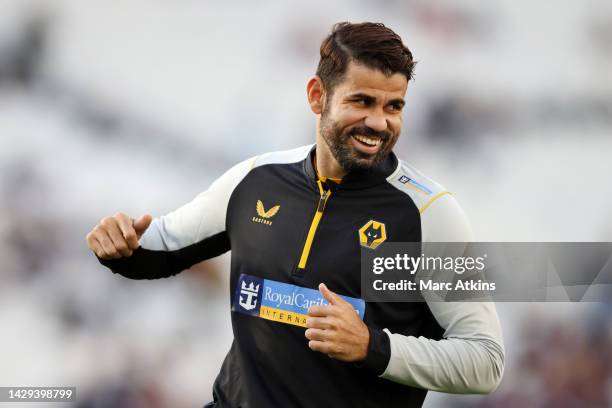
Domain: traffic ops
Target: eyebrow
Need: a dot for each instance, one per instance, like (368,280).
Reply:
(369,98)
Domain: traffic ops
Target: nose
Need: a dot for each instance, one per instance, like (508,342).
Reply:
(376,121)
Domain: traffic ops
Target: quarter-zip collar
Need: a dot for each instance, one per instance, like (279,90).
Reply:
(356,179)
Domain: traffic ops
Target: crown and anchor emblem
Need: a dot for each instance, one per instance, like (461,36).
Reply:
(250,291)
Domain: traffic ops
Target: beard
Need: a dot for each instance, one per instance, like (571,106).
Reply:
(351,159)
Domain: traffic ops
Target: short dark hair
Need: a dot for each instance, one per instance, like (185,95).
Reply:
(371,44)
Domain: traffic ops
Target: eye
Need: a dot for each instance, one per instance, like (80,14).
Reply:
(396,106)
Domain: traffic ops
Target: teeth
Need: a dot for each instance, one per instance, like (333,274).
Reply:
(370,141)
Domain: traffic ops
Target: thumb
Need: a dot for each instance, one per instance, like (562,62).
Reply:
(142,223)
(330,296)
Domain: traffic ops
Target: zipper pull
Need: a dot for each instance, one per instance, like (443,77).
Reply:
(322,201)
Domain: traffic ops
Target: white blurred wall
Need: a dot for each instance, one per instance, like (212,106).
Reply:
(137,106)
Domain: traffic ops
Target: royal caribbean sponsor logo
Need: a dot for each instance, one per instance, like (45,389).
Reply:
(248,295)
(280,302)
(404,179)
(415,185)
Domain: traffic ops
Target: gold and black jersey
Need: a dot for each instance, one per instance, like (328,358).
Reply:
(289,230)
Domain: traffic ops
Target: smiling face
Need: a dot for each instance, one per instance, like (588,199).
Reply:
(361,121)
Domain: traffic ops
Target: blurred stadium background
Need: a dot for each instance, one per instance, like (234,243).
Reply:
(137,106)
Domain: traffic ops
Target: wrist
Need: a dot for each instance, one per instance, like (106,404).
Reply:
(378,351)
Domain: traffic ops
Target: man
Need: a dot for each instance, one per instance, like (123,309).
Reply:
(295,222)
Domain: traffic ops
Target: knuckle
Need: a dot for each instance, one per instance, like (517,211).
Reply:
(107,245)
(338,324)
(130,235)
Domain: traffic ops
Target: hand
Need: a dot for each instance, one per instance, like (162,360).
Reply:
(336,329)
(117,236)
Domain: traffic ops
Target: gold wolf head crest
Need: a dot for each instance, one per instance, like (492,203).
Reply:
(266,214)
(372,234)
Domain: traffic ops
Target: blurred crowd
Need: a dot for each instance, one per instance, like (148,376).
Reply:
(137,106)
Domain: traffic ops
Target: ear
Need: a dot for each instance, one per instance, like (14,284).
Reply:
(316,94)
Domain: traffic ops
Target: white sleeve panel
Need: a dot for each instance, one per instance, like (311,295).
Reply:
(201,218)
(204,216)
(443,220)
(470,357)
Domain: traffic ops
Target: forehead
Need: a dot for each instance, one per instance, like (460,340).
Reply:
(361,79)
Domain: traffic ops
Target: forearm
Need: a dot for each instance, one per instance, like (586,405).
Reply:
(468,360)
(156,264)
(143,264)
(176,241)
(463,366)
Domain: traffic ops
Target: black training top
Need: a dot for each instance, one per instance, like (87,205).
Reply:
(288,231)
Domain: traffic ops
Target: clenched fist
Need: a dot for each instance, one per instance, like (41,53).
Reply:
(117,236)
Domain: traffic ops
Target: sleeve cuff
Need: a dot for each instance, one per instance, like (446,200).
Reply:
(108,263)
(379,352)
(132,267)
(117,265)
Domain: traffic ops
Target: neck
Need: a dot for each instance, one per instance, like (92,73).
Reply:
(325,163)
